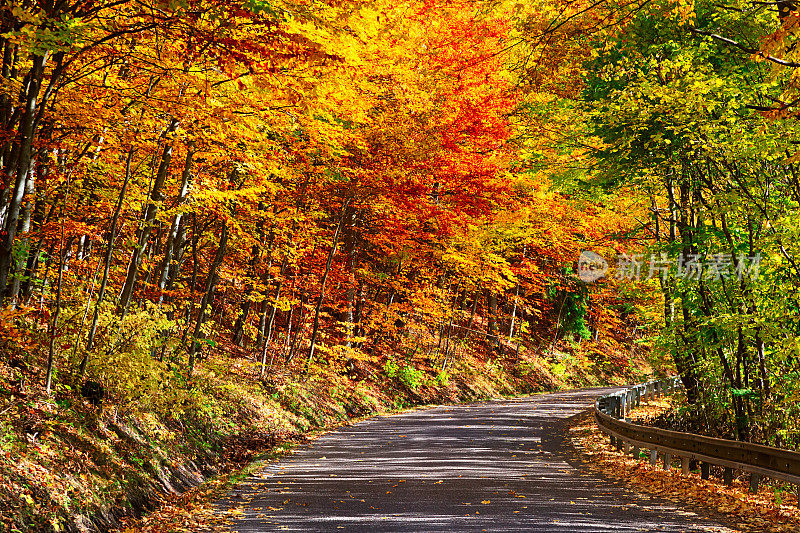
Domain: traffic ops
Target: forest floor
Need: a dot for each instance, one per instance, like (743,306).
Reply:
(774,508)
(66,464)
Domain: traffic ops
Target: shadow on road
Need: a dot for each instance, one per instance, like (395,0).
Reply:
(496,466)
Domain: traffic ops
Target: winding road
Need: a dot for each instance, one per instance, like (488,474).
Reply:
(495,466)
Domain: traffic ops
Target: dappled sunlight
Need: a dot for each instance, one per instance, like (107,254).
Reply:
(497,466)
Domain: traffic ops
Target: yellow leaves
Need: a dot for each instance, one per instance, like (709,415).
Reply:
(28,500)
(226,198)
(685,11)
(22,14)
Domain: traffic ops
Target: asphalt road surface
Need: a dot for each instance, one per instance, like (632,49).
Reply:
(495,466)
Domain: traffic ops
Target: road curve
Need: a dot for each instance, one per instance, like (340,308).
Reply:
(495,466)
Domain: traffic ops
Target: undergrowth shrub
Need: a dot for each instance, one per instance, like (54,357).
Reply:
(406,374)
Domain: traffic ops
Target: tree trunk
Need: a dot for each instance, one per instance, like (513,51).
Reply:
(491,300)
(359,329)
(271,322)
(255,256)
(25,227)
(39,221)
(211,282)
(315,326)
(475,299)
(349,238)
(144,231)
(56,316)
(112,231)
(450,325)
(513,316)
(173,237)
(21,167)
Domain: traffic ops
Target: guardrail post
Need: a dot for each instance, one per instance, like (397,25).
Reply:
(627,404)
(755,479)
(625,447)
(727,476)
(705,470)
(667,460)
(654,457)
(636,452)
(684,466)
(658,389)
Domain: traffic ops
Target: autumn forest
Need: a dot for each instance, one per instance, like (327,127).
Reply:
(226,222)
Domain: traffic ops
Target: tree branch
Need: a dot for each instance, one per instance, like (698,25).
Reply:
(744,48)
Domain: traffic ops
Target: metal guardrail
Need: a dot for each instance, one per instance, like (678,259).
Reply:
(759,461)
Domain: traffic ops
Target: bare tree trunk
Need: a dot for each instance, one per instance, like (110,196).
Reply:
(25,227)
(39,220)
(315,327)
(350,294)
(450,325)
(173,237)
(491,299)
(513,316)
(271,323)
(255,256)
(56,316)
(297,329)
(267,280)
(288,329)
(211,283)
(21,169)
(268,337)
(359,328)
(144,231)
(262,322)
(475,298)
(762,368)
(112,231)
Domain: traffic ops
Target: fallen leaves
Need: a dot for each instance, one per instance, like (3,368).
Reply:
(751,512)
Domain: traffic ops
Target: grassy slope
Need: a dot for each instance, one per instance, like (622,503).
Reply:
(65,464)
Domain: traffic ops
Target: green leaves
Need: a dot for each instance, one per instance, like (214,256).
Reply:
(747,394)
